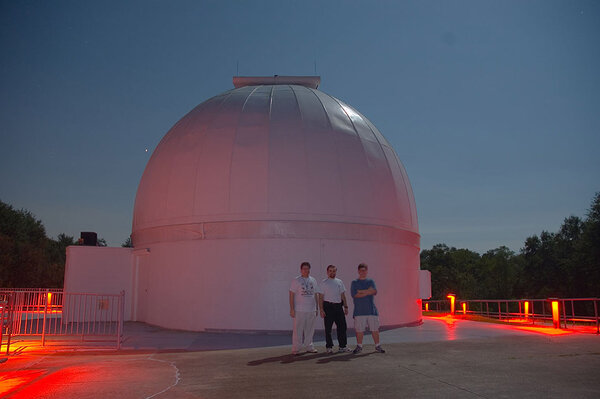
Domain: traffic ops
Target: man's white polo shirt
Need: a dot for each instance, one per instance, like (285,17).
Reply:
(332,289)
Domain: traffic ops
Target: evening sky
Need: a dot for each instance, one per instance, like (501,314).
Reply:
(492,106)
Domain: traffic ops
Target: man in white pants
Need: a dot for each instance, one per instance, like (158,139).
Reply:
(304,301)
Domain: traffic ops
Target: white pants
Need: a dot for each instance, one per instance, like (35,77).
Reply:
(304,329)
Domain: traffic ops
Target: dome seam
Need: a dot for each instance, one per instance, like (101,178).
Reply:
(188,122)
(201,152)
(304,149)
(387,164)
(337,150)
(410,195)
(360,140)
(269,151)
(235,136)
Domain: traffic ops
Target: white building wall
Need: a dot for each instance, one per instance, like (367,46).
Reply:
(100,270)
(243,284)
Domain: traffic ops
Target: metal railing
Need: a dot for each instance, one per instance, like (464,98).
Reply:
(571,311)
(54,313)
(31,290)
(4,321)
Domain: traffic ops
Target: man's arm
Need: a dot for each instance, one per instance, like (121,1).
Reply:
(367,292)
(345,303)
(353,290)
(373,288)
(321,305)
(318,302)
(292,311)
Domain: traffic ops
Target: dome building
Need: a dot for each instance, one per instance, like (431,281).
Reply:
(251,183)
(254,181)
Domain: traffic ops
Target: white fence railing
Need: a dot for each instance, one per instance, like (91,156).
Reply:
(569,311)
(54,313)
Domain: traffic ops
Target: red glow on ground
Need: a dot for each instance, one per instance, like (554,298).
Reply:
(545,330)
(450,325)
(518,321)
(53,384)
(14,380)
(448,319)
(585,329)
(452,321)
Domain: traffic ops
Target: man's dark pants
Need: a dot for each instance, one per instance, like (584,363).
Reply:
(334,313)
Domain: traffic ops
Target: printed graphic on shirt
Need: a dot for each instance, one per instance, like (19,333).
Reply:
(306,287)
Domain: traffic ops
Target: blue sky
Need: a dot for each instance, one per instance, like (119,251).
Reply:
(493,106)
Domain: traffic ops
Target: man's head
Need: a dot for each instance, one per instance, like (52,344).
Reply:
(363,269)
(305,269)
(331,271)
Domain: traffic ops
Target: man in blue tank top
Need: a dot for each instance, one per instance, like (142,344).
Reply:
(363,291)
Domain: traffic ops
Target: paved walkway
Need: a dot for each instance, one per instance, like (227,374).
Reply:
(442,358)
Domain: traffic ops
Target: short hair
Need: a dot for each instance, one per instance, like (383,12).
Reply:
(304,264)
(330,266)
(363,266)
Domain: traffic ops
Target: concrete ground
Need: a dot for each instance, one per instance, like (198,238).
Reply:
(443,358)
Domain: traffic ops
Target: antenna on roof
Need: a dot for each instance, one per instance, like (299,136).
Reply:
(237,68)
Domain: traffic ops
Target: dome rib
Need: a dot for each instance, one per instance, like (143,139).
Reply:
(207,129)
(389,169)
(360,140)
(235,140)
(268,205)
(304,144)
(337,148)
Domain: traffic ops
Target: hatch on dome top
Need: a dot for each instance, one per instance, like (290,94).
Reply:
(308,81)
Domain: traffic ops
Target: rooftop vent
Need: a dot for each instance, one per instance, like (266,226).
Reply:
(308,81)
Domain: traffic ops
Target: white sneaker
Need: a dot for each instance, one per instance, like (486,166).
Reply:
(344,350)
(329,350)
(313,350)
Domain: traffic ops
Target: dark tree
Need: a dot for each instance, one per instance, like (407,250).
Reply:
(23,245)
(28,258)
(562,264)
(127,243)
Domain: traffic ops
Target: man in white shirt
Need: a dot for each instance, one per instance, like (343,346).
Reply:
(334,309)
(304,298)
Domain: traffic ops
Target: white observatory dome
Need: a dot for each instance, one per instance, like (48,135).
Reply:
(263,177)
(272,152)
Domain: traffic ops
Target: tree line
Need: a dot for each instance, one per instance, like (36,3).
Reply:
(562,264)
(28,257)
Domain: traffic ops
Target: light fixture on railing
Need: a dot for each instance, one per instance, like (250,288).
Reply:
(555,314)
(452,297)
